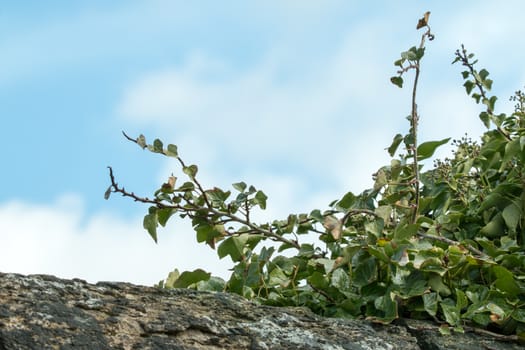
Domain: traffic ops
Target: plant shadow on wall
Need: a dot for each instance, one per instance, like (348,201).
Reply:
(446,244)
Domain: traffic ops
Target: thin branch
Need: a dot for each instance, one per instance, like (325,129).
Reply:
(451,242)
(210,210)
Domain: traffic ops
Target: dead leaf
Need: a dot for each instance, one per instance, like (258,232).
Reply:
(423,22)
(333,225)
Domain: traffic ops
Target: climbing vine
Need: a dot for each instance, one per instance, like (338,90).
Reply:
(446,244)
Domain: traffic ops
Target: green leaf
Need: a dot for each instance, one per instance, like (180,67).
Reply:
(388,305)
(461,300)
(505,281)
(164,214)
(150,224)
(190,170)
(158,146)
(490,102)
(485,118)
(399,62)
(316,215)
(495,227)
(340,280)
(277,277)
(108,193)
(410,55)
(395,144)
(469,85)
(239,186)
(234,247)
(483,74)
(430,302)
(306,250)
(230,247)
(381,179)
(347,201)
(512,149)
(141,141)
(187,278)
(206,233)
(420,52)
(512,216)
(398,81)
(405,232)
(436,283)
(318,280)
(172,151)
(187,186)
(451,313)
(414,285)
(260,198)
(379,253)
(365,272)
(172,277)
(427,149)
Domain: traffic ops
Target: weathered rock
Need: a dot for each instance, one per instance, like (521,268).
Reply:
(45,312)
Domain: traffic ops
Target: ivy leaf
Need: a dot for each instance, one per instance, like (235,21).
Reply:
(318,280)
(188,278)
(365,272)
(512,149)
(141,141)
(388,305)
(495,227)
(395,144)
(164,214)
(239,186)
(430,303)
(158,146)
(399,62)
(398,81)
(451,313)
(505,281)
(260,198)
(316,215)
(427,149)
(347,201)
(405,232)
(512,216)
(107,193)
(469,85)
(207,233)
(278,278)
(340,280)
(150,224)
(234,247)
(172,151)
(190,170)
(410,55)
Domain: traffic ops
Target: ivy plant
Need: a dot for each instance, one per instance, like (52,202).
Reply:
(446,244)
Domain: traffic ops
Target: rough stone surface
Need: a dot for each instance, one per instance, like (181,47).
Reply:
(45,312)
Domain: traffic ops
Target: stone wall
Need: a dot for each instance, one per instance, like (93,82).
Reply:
(45,312)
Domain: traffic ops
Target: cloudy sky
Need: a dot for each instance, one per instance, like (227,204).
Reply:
(290,96)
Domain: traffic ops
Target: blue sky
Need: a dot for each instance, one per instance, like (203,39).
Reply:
(291,96)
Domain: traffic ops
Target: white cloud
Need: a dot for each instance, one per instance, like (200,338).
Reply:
(59,239)
(260,117)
